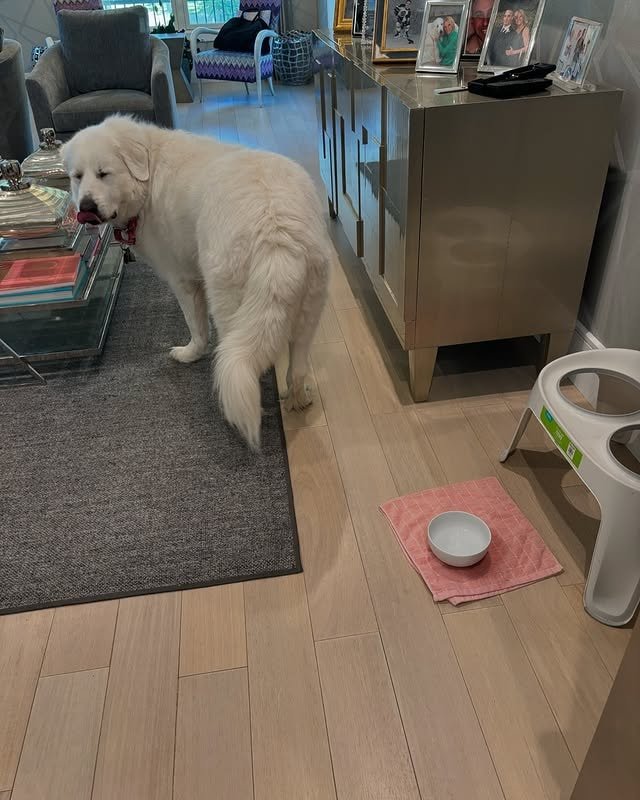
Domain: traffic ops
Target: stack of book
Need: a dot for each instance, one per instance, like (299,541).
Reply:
(50,272)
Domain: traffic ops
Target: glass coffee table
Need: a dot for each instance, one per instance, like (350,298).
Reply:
(61,331)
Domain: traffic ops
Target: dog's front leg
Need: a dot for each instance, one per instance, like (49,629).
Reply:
(193,302)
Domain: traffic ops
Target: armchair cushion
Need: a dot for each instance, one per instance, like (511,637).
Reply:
(106,49)
(91,108)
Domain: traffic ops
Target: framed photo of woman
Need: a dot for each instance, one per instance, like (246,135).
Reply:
(512,32)
(397,30)
(576,51)
(343,16)
(442,37)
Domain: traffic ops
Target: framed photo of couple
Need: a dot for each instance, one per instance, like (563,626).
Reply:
(511,35)
(576,52)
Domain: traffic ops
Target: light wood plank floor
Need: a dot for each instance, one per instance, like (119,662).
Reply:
(347,681)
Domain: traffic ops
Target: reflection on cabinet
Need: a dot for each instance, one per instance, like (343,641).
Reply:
(473,217)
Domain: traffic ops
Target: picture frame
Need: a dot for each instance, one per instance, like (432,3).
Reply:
(479,18)
(343,16)
(512,34)
(576,52)
(443,35)
(397,28)
(362,24)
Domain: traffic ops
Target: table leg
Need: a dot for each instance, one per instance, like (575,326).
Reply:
(422,362)
(554,345)
(22,361)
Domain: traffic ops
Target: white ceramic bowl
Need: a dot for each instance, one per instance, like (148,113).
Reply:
(459,539)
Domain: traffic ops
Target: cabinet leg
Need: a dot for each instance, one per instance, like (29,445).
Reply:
(332,211)
(421,365)
(554,345)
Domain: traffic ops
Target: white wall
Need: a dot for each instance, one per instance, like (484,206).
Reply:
(301,15)
(29,22)
(612,291)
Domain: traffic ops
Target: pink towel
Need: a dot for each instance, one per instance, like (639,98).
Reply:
(517,555)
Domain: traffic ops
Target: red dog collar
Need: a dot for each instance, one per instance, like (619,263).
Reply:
(127,235)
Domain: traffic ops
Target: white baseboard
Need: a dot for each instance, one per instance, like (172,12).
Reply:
(584,340)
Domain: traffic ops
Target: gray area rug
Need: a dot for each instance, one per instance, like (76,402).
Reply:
(124,479)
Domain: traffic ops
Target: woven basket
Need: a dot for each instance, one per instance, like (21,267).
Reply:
(292,57)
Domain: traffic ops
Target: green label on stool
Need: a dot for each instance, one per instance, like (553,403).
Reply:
(563,442)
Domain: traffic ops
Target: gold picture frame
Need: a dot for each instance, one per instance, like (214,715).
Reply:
(343,16)
(391,23)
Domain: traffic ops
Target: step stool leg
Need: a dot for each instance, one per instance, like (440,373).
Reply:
(524,420)
(612,591)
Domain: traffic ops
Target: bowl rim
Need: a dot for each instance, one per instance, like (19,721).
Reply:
(466,514)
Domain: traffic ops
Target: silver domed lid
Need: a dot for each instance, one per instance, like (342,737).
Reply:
(29,211)
(45,165)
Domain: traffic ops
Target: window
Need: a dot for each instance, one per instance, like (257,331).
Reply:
(207,12)
(188,13)
(159,12)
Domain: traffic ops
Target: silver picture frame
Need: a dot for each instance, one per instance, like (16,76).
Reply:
(491,59)
(573,62)
(438,14)
(363,18)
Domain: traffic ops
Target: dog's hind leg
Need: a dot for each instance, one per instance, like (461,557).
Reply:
(192,300)
(223,304)
(298,394)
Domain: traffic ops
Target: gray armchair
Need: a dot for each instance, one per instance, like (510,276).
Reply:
(105,63)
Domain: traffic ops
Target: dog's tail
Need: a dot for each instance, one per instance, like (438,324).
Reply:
(258,331)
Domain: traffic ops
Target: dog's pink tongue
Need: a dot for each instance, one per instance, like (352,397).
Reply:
(88,218)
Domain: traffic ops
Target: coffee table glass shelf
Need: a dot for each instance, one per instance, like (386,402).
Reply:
(60,331)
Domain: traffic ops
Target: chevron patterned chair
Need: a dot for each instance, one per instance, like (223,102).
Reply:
(226,65)
(77,5)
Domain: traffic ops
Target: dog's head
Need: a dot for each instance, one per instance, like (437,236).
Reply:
(437,26)
(109,169)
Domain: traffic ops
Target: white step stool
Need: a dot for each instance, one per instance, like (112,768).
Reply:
(585,438)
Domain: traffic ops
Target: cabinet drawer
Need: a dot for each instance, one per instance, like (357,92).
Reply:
(371,157)
(394,263)
(352,225)
(343,101)
(327,158)
(370,200)
(351,185)
(368,101)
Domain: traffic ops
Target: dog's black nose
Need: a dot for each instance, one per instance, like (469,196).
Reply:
(88,204)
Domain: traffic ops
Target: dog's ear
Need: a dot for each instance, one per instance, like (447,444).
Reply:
(135,156)
(65,153)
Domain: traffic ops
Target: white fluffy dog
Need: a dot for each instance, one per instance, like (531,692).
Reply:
(237,233)
(434,32)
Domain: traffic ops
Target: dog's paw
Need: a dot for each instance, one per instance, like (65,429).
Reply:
(187,354)
(297,400)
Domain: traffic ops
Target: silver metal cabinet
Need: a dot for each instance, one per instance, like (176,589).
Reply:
(473,217)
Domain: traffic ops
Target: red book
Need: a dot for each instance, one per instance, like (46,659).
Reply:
(27,275)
